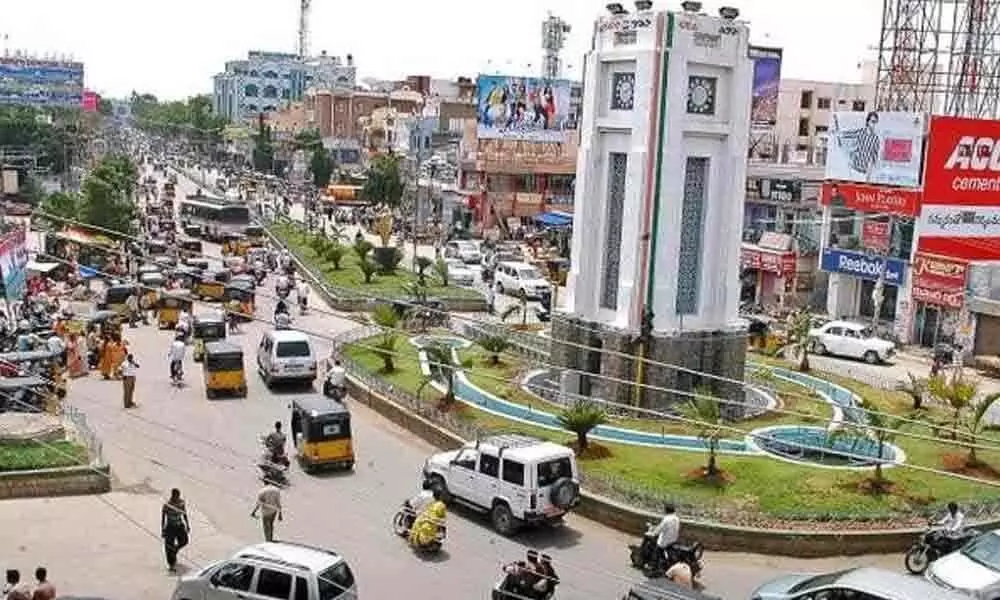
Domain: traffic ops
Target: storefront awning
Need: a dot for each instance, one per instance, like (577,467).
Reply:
(554,219)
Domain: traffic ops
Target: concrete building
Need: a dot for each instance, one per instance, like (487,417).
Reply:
(267,81)
(656,239)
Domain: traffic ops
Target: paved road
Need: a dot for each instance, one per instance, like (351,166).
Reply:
(207,448)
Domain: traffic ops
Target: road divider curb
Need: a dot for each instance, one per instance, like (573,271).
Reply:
(65,481)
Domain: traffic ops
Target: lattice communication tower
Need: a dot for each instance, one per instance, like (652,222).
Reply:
(554,32)
(940,56)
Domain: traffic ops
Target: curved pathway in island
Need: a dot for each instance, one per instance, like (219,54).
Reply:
(845,405)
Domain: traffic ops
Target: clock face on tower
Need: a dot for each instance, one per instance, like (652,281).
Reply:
(701,95)
(622,91)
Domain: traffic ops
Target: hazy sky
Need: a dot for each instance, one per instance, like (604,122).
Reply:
(173,48)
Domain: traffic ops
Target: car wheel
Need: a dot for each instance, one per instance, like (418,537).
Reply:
(871,357)
(502,519)
(818,348)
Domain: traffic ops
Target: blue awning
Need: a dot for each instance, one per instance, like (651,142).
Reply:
(554,219)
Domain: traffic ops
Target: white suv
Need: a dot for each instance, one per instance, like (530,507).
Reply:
(272,570)
(519,278)
(517,479)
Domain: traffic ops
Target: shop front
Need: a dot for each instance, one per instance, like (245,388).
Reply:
(938,297)
(860,284)
(769,275)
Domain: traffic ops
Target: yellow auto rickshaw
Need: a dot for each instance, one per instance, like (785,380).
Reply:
(235,244)
(150,285)
(190,247)
(256,235)
(169,307)
(223,369)
(115,297)
(209,287)
(245,295)
(321,428)
(207,328)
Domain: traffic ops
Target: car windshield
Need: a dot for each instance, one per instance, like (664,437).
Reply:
(818,581)
(985,550)
(529,274)
(299,349)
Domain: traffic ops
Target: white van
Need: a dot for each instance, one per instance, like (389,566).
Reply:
(520,279)
(285,355)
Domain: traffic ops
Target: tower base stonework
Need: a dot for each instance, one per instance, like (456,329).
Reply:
(597,363)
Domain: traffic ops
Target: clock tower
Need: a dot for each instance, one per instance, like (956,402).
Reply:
(658,213)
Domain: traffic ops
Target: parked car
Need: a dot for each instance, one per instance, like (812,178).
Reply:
(459,272)
(869,583)
(466,251)
(272,570)
(843,338)
(520,279)
(974,569)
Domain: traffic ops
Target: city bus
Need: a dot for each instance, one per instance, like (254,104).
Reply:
(216,216)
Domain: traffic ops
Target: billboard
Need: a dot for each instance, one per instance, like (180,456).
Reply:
(90,101)
(13,260)
(871,198)
(35,82)
(766,80)
(863,266)
(876,147)
(523,108)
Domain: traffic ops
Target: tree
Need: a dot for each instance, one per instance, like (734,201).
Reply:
(383,181)
(975,422)
(335,253)
(494,345)
(441,268)
(441,360)
(799,339)
(705,412)
(368,268)
(954,391)
(881,428)
(423,263)
(388,259)
(107,195)
(385,316)
(321,167)
(59,204)
(362,248)
(581,418)
(915,387)
(263,150)
(385,349)
(104,107)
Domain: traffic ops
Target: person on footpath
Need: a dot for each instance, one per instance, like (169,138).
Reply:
(44,590)
(175,527)
(129,370)
(15,589)
(269,507)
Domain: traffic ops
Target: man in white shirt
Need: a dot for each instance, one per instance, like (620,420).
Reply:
(176,356)
(954,522)
(57,347)
(269,507)
(303,294)
(668,531)
(283,285)
(336,381)
(129,370)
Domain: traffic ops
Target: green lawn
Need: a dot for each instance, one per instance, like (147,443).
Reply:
(760,486)
(350,280)
(30,455)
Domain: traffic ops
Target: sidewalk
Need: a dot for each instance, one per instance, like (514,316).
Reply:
(93,550)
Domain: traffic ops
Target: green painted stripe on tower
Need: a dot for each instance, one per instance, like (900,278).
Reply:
(662,115)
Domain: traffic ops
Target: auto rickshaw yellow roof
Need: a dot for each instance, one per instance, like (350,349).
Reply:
(317,405)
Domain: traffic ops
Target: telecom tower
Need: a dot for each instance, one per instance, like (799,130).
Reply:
(304,6)
(941,56)
(554,31)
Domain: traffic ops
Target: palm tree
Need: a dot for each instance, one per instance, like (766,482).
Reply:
(441,268)
(442,363)
(494,345)
(799,340)
(881,428)
(423,263)
(705,411)
(335,252)
(915,387)
(955,392)
(368,269)
(385,349)
(385,316)
(975,423)
(362,248)
(581,418)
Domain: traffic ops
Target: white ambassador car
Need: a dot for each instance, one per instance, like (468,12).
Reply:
(853,340)
(459,272)
(975,569)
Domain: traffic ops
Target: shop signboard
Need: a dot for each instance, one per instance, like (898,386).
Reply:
(952,299)
(871,198)
(13,261)
(864,266)
(785,191)
(876,148)
(779,263)
(939,280)
(875,235)
(960,217)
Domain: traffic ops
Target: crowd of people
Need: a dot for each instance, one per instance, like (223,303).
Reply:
(17,589)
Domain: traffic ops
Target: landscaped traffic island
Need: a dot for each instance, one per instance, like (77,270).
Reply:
(644,461)
(356,273)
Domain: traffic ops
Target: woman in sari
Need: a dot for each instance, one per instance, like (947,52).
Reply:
(105,363)
(118,352)
(425,528)
(74,356)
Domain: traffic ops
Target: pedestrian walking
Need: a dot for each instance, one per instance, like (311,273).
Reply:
(132,307)
(175,527)
(129,370)
(269,508)
(44,590)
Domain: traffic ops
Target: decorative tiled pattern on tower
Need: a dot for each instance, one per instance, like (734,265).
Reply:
(622,91)
(617,167)
(692,235)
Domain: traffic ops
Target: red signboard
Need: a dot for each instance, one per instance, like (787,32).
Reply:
(780,263)
(872,198)
(963,162)
(939,280)
(875,235)
(954,299)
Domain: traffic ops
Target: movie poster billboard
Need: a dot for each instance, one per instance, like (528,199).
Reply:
(35,82)
(766,81)
(13,262)
(523,108)
(875,147)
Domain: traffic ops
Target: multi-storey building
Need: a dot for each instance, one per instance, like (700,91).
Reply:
(267,81)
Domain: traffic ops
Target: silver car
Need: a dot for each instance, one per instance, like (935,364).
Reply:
(975,569)
(867,583)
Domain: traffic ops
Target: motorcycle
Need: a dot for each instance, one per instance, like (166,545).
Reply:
(403,520)
(932,545)
(511,586)
(273,466)
(647,556)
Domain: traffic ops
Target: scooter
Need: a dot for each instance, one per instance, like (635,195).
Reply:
(402,523)
(647,556)
(932,545)
(273,468)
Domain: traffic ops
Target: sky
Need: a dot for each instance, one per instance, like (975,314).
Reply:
(172,49)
